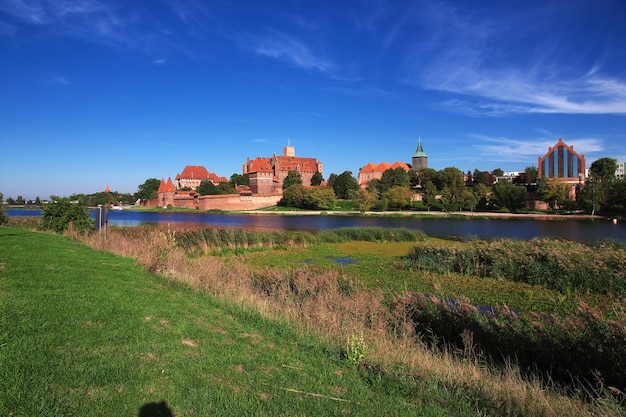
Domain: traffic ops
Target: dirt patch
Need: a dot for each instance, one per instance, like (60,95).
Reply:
(189,342)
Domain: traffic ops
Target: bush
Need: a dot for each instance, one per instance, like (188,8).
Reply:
(59,215)
(4,219)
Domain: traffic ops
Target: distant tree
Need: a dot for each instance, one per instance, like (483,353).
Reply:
(1,197)
(427,174)
(206,187)
(616,198)
(507,196)
(603,170)
(148,190)
(10,201)
(481,191)
(292,178)
(331,179)
(4,219)
(532,174)
(447,200)
(237,179)
(414,179)
(374,186)
(345,185)
(429,194)
(592,197)
(20,200)
(37,201)
(58,215)
(320,198)
(468,200)
(317,179)
(398,196)
(365,199)
(497,172)
(293,196)
(396,177)
(553,192)
(450,177)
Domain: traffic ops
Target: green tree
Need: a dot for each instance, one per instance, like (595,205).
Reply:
(481,191)
(553,192)
(396,177)
(616,198)
(399,197)
(345,185)
(58,215)
(531,174)
(317,179)
(292,178)
(469,200)
(497,172)
(507,196)
(320,198)
(450,177)
(148,190)
(4,218)
(427,174)
(293,196)
(331,180)
(592,197)
(429,194)
(365,199)
(447,200)
(237,179)
(1,197)
(206,187)
(603,170)
(20,200)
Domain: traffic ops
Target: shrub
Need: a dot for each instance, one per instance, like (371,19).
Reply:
(57,216)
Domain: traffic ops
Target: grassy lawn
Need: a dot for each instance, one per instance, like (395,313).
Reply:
(88,333)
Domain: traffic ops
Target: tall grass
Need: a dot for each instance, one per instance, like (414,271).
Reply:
(556,264)
(331,306)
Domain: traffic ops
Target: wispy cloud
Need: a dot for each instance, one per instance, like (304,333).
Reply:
(289,49)
(509,63)
(514,150)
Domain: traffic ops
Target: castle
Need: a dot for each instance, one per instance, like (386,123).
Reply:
(371,171)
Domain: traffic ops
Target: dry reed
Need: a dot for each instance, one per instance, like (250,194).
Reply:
(333,308)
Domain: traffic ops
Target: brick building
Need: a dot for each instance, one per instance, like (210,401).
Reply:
(267,174)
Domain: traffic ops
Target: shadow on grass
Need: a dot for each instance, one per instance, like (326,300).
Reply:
(155,410)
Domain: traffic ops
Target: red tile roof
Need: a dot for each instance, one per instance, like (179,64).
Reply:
(166,187)
(194,172)
(294,163)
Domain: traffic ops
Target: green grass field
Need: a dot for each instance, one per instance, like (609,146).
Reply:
(88,333)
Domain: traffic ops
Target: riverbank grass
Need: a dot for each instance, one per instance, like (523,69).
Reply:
(88,333)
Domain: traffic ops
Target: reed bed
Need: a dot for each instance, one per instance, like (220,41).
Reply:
(328,304)
(560,265)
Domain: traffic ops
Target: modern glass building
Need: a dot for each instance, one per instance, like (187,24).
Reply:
(562,162)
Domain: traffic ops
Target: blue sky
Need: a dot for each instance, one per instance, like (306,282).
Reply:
(97,92)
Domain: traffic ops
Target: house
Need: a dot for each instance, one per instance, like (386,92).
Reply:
(375,171)
(268,173)
(193,175)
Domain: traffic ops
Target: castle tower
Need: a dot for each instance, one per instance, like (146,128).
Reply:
(419,160)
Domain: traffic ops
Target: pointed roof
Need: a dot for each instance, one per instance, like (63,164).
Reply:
(166,187)
(107,189)
(419,152)
(260,165)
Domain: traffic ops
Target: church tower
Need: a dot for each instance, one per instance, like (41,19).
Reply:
(419,160)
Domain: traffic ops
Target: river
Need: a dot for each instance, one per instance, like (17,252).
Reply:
(571,228)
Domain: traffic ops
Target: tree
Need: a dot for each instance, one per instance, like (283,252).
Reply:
(58,215)
(317,179)
(553,192)
(345,185)
(399,197)
(592,197)
(450,177)
(4,219)
(481,191)
(531,174)
(206,187)
(20,200)
(603,170)
(148,190)
(292,178)
(497,172)
(293,196)
(507,196)
(320,198)
(396,177)
(331,180)
(427,174)
(237,179)
(468,200)
(365,199)
(429,194)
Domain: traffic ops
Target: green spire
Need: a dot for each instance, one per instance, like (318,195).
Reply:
(419,152)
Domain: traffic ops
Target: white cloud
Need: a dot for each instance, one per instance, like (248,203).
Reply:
(289,49)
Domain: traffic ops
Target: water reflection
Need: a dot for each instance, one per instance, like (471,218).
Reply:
(582,230)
